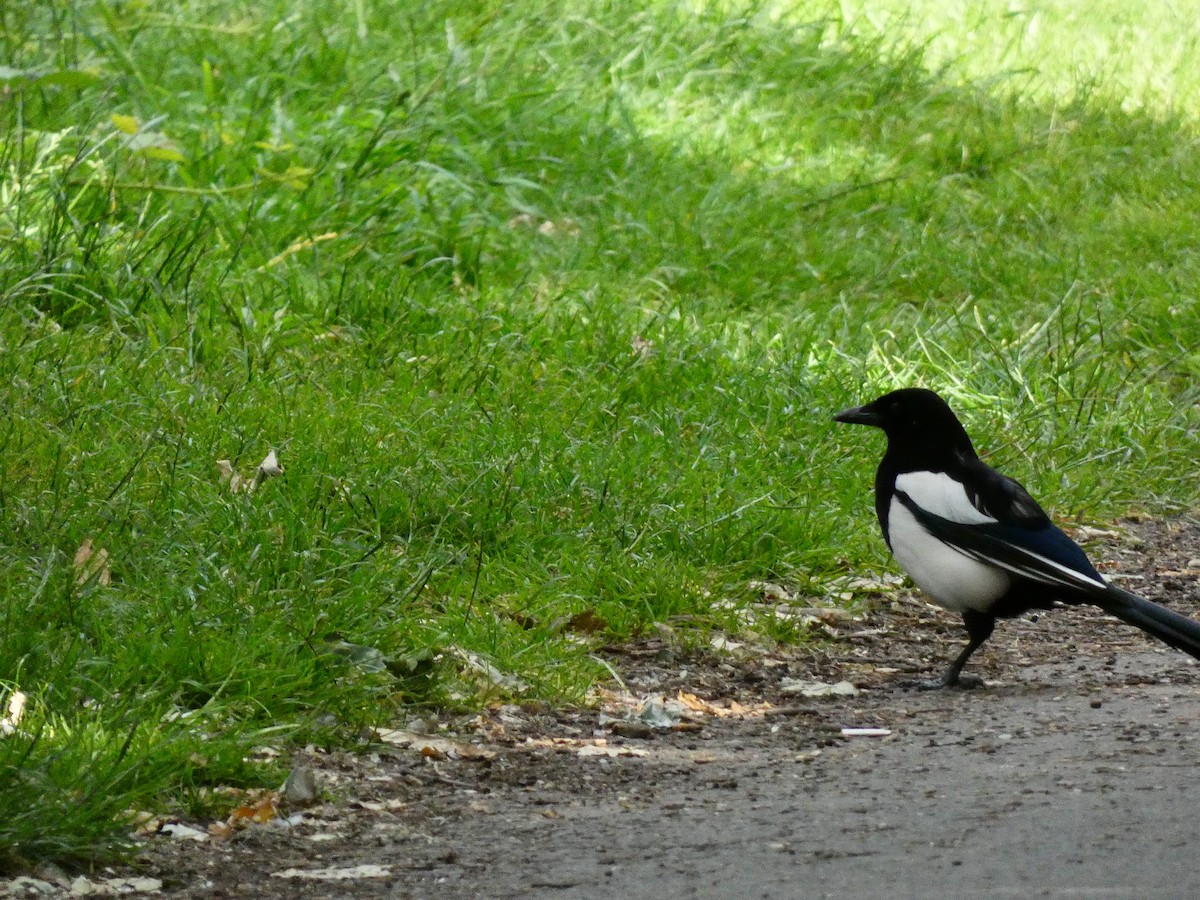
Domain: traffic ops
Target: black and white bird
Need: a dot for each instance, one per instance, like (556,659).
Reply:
(974,540)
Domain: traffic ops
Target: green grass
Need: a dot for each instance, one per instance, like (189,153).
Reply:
(545,308)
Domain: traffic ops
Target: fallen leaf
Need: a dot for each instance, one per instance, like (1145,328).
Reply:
(435,747)
(144,823)
(91,565)
(612,752)
(723,644)
(16,710)
(696,704)
(587,622)
(657,713)
(491,673)
(641,346)
(238,483)
(1088,533)
(114,887)
(266,809)
(182,832)
(818,688)
(230,477)
(268,468)
(336,874)
(772,591)
(389,805)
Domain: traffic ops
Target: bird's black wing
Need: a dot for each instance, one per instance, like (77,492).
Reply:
(1001,497)
(1020,539)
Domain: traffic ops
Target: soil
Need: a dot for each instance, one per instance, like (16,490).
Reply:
(1068,774)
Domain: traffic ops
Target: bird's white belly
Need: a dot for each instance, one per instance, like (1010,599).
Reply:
(952,579)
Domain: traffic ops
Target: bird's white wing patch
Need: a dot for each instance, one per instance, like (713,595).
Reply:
(956,580)
(938,493)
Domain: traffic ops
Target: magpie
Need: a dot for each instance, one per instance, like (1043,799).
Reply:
(975,540)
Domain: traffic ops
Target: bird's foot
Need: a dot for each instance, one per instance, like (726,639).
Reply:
(962,682)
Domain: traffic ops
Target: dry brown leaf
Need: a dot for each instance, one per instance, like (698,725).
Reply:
(433,747)
(145,823)
(91,565)
(733,709)
(266,809)
(587,622)
(230,477)
(600,748)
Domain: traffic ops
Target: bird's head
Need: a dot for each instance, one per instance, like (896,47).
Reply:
(912,417)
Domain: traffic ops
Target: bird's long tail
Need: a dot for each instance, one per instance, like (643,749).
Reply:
(1165,624)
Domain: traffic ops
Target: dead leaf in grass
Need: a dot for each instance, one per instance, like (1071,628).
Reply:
(230,477)
(492,674)
(16,711)
(587,622)
(723,644)
(772,591)
(266,809)
(238,484)
(642,347)
(544,227)
(91,565)
(270,467)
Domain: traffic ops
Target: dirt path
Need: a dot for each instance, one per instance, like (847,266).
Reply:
(1071,774)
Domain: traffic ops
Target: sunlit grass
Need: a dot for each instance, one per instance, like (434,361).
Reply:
(1136,58)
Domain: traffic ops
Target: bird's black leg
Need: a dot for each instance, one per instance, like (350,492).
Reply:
(979,629)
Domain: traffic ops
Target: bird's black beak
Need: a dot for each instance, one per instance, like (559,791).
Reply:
(860,415)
